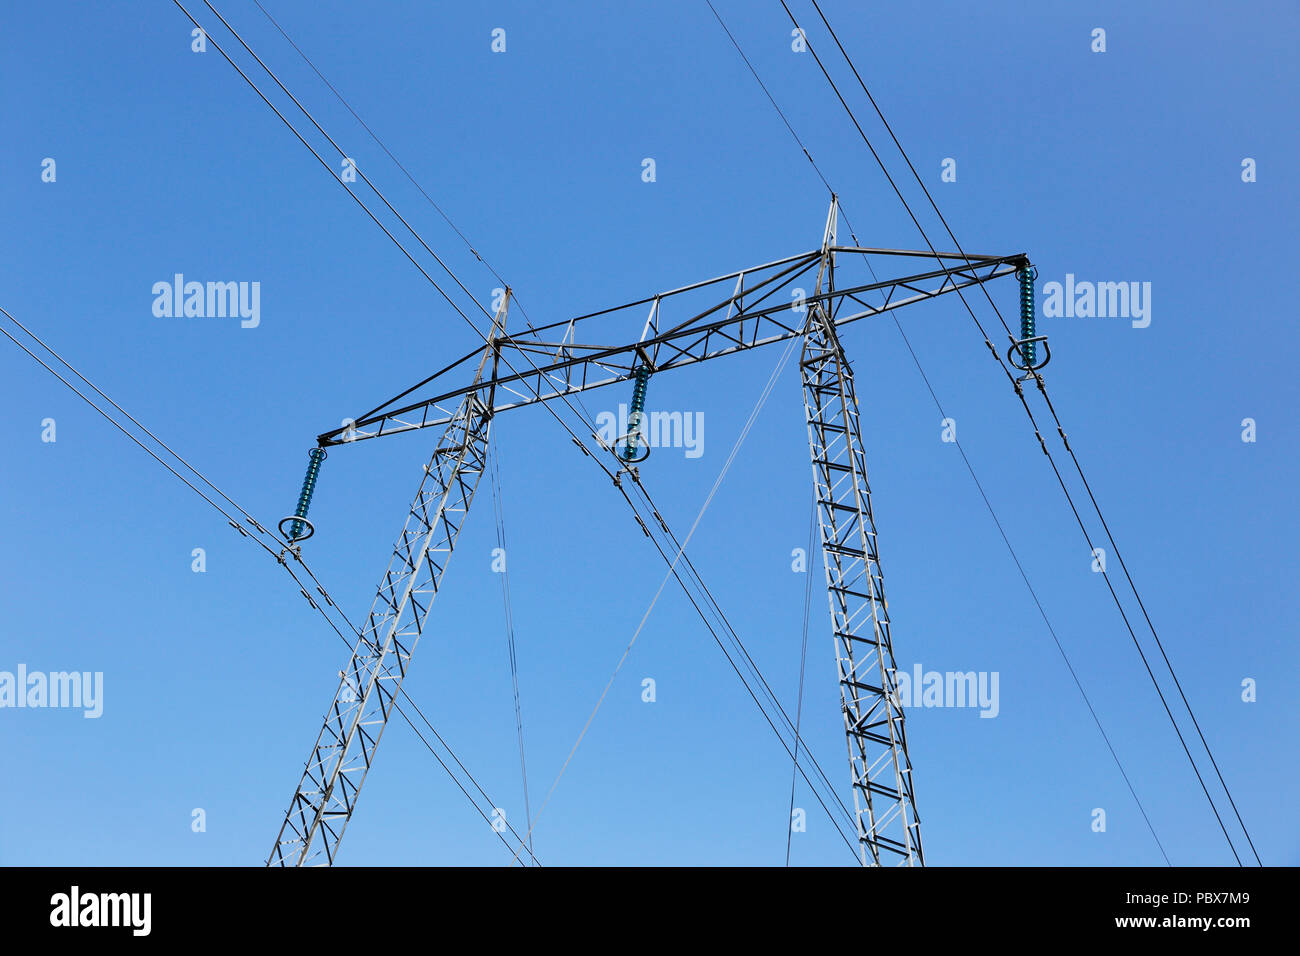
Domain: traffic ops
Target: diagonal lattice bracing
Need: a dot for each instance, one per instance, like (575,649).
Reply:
(325,797)
(889,830)
(881,772)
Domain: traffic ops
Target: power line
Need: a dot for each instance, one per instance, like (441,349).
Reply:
(725,624)
(510,622)
(672,571)
(375,219)
(1037,603)
(379,142)
(803,661)
(452,753)
(1028,411)
(770,98)
(970,468)
(123,430)
(425,245)
(249,517)
(385,200)
(233,523)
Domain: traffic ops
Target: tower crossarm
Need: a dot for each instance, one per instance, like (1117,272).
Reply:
(766,304)
(779,301)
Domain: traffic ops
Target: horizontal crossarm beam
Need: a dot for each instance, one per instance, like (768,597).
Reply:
(768,304)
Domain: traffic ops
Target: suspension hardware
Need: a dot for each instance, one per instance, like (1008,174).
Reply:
(300,529)
(1026,347)
(634,440)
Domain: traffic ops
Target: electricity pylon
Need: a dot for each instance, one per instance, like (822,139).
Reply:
(881,770)
(331,782)
(766,305)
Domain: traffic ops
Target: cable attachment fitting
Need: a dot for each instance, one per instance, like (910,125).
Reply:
(300,529)
(1025,349)
(631,472)
(635,446)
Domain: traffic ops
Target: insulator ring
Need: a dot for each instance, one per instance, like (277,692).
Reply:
(298,520)
(1018,348)
(289,535)
(1026,347)
(632,442)
(634,438)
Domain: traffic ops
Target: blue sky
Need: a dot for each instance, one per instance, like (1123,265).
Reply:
(1117,166)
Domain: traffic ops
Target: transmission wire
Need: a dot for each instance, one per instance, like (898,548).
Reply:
(970,468)
(510,623)
(229,518)
(1060,430)
(375,219)
(803,662)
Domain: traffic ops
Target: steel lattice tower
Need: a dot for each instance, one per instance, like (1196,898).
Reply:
(881,771)
(759,311)
(323,802)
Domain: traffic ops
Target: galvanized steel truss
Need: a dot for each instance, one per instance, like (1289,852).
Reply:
(880,769)
(326,796)
(766,305)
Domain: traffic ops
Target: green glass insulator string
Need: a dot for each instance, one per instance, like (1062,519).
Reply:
(1027,274)
(642,376)
(315,457)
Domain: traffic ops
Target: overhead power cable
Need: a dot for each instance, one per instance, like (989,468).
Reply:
(779,112)
(375,189)
(969,467)
(1042,386)
(1016,386)
(672,572)
(234,524)
(803,663)
(380,143)
(402,248)
(510,620)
